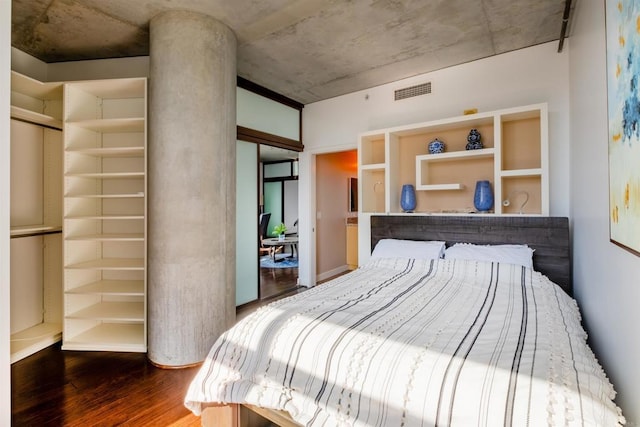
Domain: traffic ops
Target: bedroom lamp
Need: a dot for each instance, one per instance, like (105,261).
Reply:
(507,202)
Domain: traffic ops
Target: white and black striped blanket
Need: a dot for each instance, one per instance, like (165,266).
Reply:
(415,343)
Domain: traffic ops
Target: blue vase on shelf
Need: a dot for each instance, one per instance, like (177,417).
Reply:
(474,140)
(483,197)
(408,198)
(436,146)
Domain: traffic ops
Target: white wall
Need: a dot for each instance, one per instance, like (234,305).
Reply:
(26,64)
(5,83)
(98,69)
(527,76)
(605,275)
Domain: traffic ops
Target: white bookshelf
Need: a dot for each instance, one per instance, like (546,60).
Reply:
(105,215)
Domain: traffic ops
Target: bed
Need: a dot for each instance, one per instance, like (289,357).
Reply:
(476,338)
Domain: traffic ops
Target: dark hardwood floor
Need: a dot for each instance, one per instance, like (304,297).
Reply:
(277,281)
(75,388)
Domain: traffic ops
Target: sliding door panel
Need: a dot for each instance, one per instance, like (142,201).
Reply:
(246,222)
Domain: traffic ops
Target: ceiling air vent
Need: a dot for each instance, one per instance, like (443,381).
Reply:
(409,92)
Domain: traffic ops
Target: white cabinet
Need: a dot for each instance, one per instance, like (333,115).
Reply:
(36,215)
(105,215)
(514,158)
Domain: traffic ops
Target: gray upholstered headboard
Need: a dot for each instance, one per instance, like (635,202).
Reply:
(549,236)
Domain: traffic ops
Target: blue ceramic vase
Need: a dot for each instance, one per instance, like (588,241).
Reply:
(474,140)
(408,198)
(436,146)
(483,197)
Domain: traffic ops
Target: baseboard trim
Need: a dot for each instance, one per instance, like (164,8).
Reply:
(331,273)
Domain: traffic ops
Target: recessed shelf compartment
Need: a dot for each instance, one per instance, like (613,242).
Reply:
(423,161)
(372,150)
(522,193)
(372,184)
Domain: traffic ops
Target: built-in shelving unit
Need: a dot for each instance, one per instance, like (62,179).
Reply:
(513,158)
(36,102)
(36,215)
(105,215)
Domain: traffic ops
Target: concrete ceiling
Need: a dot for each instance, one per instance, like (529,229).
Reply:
(308,50)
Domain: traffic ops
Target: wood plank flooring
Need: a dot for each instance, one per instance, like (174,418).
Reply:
(276,281)
(74,388)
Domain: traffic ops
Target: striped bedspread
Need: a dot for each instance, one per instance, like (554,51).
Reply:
(415,343)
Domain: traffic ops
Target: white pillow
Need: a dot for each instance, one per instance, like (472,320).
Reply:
(512,254)
(396,248)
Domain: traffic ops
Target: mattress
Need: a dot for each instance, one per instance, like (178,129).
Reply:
(404,342)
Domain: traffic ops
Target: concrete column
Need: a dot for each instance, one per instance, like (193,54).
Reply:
(192,185)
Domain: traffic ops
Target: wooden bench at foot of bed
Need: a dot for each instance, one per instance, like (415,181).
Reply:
(235,415)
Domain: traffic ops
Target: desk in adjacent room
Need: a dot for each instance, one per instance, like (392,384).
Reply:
(287,241)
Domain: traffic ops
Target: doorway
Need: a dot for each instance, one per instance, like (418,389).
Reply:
(279,259)
(266,192)
(336,212)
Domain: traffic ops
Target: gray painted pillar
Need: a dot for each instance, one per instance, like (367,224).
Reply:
(191,179)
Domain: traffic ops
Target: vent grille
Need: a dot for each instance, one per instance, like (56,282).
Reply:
(409,92)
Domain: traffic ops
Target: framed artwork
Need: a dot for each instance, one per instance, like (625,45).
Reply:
(623,107)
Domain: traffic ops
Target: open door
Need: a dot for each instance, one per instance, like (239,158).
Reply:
(279,271)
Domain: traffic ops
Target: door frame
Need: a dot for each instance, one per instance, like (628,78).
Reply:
(307,274)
